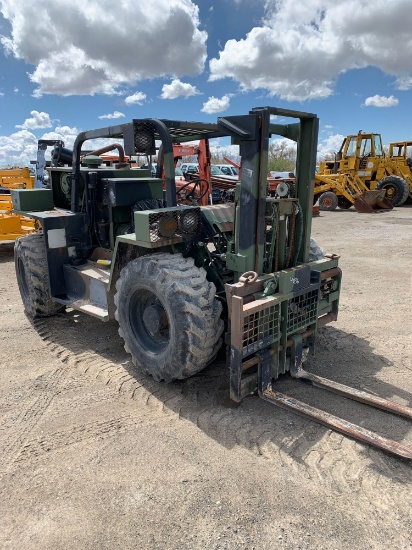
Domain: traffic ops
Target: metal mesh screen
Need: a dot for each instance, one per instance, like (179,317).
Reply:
(189,221)
(260,329)
(185,224)
(163,225)
(302,310)
(144,138)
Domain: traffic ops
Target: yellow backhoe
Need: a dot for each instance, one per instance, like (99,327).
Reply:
(360,170)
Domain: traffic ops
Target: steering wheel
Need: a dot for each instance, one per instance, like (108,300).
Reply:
(191,194)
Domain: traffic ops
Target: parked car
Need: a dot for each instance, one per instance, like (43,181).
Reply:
(179,176)
(192,167)
(153,170)
(228,171)
(215,171)
(189,167)
(282,175)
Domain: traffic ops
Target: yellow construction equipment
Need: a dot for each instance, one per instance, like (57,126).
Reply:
(13,225)
(16,178)
(343,190)
(361,162)
(400,152)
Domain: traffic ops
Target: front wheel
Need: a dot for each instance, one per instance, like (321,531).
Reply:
(396,189)
(168,316)
(328,201)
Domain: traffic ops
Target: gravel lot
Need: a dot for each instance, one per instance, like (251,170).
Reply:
(95,455)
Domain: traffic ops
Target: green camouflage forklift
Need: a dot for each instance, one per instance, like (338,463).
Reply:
(182,279)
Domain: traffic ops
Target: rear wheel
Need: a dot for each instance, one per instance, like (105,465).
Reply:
(33,277)
(328,201)
(168,316)
(396,189)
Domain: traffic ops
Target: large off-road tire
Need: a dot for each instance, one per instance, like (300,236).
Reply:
(328,201)
(168,316)
(397,190)
(33,277)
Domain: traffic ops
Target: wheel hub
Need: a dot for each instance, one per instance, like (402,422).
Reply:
(154,318)
(390,192)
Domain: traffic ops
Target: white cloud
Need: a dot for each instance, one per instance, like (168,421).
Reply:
(329,145)
(18,149)
(381,101)
(328,126)
(69,134)
(95,50)
(66,133)
(300,49)
(136,99)
(221,148)
(216,105)
(37,120)
(1,94)
(116,114)
(404,83)
(178,89)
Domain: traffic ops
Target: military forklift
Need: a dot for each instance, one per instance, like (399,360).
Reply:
(181,279)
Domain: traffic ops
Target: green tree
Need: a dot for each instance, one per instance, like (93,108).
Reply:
(281,156)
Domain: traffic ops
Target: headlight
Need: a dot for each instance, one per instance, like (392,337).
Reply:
(167,225)
(188,222)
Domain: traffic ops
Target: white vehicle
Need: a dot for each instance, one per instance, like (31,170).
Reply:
(228,171)
(153,168)
(192,167)
(215,171)
(189,167)
(281,175)
(179,176)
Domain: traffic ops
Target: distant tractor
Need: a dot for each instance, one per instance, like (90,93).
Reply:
(359,166)
(115,244)
(401,153)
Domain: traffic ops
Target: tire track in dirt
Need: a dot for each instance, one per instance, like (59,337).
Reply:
(37,447)
(29,417)
(302,447)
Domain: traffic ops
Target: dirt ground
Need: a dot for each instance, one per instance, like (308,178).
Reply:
(95,455)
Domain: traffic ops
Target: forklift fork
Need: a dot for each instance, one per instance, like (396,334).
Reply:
(268,392)
(270,335)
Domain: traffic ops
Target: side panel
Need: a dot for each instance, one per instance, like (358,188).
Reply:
(67,241)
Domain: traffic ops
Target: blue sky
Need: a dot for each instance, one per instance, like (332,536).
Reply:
(65,68)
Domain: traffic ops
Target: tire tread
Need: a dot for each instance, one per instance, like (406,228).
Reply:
(31,251)
(197,314)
